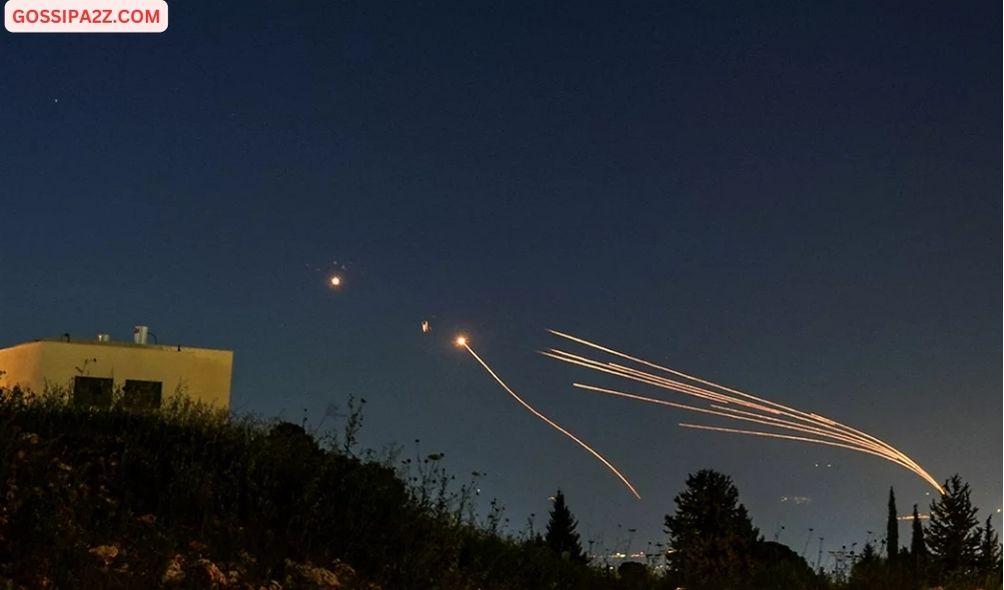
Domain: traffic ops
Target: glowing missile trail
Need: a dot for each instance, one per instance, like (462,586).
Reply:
(706,394)
(723,399)
(884,450)
(703,393)
(776,435)
(813,426)
(461,341)
(804,415)
(785,409)
(850,443)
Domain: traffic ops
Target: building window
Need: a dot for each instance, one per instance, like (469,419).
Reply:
(141,395)
(92,391)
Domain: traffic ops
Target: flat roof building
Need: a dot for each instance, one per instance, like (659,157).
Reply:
(95,371)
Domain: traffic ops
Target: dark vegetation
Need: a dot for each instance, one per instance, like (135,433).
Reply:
(187,497)
(952,552)
(562,536)
(715,544)
(191,498)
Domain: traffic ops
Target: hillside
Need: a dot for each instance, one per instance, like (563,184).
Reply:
(192,498)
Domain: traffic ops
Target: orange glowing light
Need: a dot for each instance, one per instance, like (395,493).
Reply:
(336,281)
(461,341)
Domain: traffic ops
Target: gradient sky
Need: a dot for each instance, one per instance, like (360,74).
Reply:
(797,199)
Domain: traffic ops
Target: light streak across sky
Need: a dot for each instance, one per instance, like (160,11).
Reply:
(726,402)
(462,342)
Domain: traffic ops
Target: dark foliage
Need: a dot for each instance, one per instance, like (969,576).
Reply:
(868,571)
(918,550)
(189,497)
(952,540)
(957,560)
(892,529)
(561,536)
(711,534)
(873,572)
(777,567)
(714,543)
(989,558)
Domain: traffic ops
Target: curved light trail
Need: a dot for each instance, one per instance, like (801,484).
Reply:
(723,401)
(461,342)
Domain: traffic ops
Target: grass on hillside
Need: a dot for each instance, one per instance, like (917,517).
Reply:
(190,497)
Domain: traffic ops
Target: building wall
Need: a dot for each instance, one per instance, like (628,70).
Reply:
(201,373)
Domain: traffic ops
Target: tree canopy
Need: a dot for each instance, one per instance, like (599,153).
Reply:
(561,535)
(952,540)
(711,535)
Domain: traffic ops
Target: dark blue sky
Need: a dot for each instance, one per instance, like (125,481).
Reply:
(800,200)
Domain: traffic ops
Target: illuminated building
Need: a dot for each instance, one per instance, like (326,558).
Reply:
(138,374)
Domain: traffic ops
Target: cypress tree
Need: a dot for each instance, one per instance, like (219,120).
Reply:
(892,530)
(918,549)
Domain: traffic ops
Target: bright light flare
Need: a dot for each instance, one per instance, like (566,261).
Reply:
(335,281)
(461,342)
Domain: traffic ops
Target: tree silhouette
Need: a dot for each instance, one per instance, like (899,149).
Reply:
(868,554)
(918,548)
(892,530)
(634,576)
(777,566)
(990,550)
(869,572)
(561,535)
(711,535)
(951,537)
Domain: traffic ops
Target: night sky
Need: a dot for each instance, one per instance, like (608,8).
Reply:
(800,200)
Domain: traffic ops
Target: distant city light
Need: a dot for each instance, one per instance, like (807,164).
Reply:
(336,281)
(796,499)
